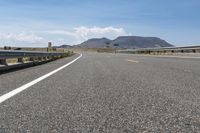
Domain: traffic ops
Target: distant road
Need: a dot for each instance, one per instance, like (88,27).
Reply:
(104,93)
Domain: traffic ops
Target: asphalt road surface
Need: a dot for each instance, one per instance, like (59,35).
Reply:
(111,93)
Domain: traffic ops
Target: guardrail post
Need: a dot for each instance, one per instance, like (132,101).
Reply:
(39,59)
(55,57)
(44,58)
(21,60)
(50,57)
(47,58)
(32,59)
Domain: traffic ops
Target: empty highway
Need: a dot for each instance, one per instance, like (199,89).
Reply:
(110,93)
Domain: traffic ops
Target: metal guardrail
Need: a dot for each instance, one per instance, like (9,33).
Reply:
(20,54)
(189,49)
(33,56)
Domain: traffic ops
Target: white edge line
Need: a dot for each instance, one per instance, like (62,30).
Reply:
(172,56)
(181,57)
(24,87)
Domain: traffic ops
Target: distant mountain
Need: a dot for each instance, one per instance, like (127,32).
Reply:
(64,46)
(128,42)
(139,42)
(95,43)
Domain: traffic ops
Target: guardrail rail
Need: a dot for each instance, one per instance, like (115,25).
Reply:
(27,57)
(164,50)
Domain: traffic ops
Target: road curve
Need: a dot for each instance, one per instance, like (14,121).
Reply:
(105,93)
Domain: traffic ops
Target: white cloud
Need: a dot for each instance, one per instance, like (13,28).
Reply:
(75,36)
(22,37)
(83,33)
(61,32)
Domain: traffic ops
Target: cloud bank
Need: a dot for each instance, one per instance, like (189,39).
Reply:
(83,33)
(15,38)
(75,36)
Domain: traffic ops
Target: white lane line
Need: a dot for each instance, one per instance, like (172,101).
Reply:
(24,87)
(181,57)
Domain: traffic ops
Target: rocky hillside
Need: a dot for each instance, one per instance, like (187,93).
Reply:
(95,43)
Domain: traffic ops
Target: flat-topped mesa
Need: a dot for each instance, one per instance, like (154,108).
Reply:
(127,42)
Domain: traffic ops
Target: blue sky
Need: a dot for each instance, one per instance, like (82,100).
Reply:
(35,22)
